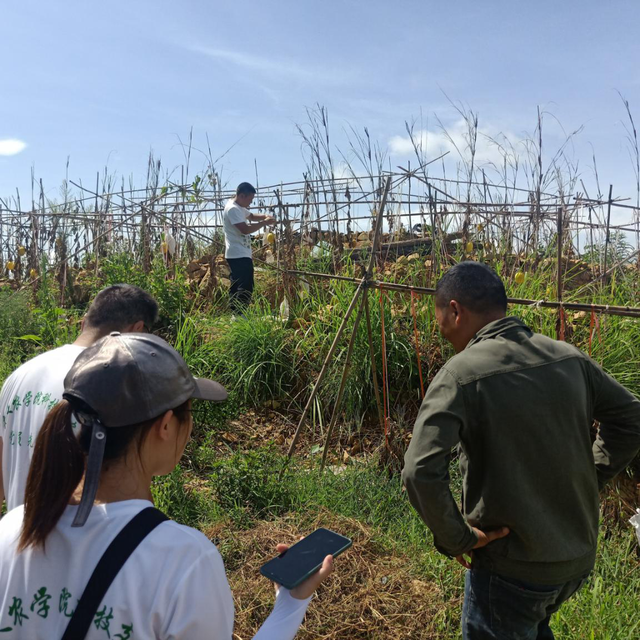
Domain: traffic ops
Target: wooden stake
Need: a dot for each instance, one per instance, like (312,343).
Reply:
(325,366)
(361,287)
(607,237)
(343,381)
(374,368)
(560,327)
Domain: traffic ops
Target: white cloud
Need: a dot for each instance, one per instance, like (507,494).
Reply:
(491,143)
(245,60)
(11,146)
(282,68)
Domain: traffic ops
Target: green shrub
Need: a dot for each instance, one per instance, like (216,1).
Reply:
(168,286)
(181,503)
(326,310)
(256,357)
(16,316)
(19,330)
(248,485)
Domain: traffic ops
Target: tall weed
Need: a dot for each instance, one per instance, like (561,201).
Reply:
(256,356)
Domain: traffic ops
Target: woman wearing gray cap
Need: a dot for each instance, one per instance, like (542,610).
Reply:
(88,556)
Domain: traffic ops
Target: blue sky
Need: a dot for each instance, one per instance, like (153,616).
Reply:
(103,83)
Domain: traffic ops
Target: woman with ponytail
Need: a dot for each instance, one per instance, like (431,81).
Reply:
(87,556)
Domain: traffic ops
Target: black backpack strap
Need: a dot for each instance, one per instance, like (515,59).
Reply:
(117,553)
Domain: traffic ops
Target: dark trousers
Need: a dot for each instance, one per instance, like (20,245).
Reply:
(241,283)
(500,608)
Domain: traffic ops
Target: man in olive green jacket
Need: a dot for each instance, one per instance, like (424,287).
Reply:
(520,407)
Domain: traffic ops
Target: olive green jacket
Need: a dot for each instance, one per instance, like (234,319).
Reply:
(520,406)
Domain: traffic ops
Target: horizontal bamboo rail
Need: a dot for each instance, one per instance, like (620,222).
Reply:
(631,312)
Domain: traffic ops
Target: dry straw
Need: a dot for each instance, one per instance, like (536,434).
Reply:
(371,595)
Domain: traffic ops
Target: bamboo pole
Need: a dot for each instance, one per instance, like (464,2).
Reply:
(607,237)
(343,380)
(560,326)
(374,368)
(616,310)
(361,287)
(325,367)
(409,199)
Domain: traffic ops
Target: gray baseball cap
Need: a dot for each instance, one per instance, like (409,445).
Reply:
(122,380)
(132,377)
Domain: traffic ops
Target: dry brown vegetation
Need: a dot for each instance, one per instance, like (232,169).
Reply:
(372,595)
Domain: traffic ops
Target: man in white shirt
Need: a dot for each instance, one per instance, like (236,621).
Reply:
(34,388)
(237,239)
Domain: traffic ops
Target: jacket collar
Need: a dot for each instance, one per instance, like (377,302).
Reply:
(498,328)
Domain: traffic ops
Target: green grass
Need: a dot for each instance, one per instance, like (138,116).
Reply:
(247,489)
(180,502)
(262,359)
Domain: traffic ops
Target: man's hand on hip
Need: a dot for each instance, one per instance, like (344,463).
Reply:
(484,538)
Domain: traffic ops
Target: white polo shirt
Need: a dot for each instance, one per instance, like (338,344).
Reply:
(236,243)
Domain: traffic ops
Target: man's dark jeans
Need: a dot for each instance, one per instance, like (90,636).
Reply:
(241,283)
(500,608)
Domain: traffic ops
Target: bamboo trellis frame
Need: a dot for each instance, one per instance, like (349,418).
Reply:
(97,219)
(410,204)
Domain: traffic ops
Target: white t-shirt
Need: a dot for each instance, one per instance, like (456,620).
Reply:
(172,587)
(27,395)
(236,243)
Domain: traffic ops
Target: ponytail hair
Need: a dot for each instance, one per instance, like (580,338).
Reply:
(57,466)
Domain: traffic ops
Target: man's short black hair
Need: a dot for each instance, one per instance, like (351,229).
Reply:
(120,306)
(245,189)
(474,285)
